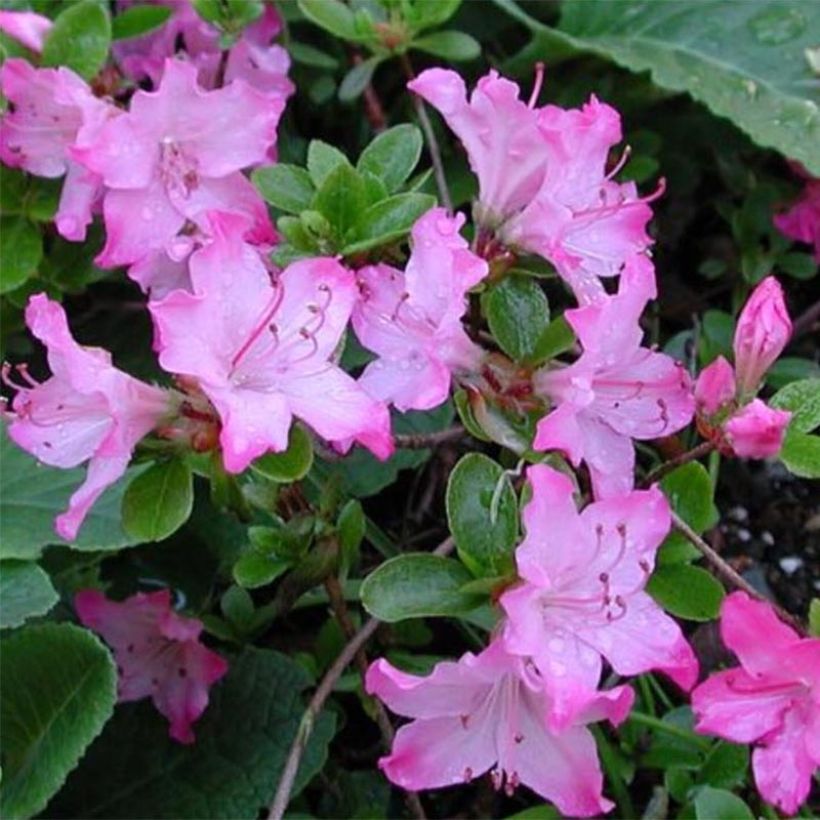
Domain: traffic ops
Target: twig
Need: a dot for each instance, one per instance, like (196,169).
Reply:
(418,441)
(729,576)
(348,653)
(805,321)
(430,137)
(684,458)
(374,111)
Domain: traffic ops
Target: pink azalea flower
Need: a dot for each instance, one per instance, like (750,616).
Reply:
(489,712)
(158,654)
(413,319)
(757,430)
(715,387)
(582,597)
(542,178)
(26,27)
(53,110)
(88,410)
(616,391)
(176,155)
(802,221)
(772,699)
(763,330)
(262,348)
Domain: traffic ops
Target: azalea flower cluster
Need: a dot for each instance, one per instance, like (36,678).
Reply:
(251,347)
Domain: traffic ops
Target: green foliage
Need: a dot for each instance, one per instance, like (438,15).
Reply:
(158,501)
(80,38)
(290,465)
(801,451)
(287,187)
(138,20)
(58,687)
(21,250)
(26,592)
(518,315)
(449,45)
(232,770)
(718,804)
(392,155)
(689,490)
(686,591)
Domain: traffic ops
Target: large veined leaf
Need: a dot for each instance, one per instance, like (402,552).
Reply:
(242,740)
(58,690)
(26,592)
(745,60)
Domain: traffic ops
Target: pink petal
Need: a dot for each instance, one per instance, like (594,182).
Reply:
(26,27)
(715,386)
(757,430)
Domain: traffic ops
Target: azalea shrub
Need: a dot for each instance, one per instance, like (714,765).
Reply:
(409,408)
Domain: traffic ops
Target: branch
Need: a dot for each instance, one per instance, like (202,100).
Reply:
(727,574)
(323,691)
(418,441)
(430,137)
(684,458)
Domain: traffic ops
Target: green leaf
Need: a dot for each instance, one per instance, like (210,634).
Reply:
(725,766)
(256,569)
(21,250)
(351,527)
(801,454)
(557,337)
(788,369)
(718,804)
(802,398)
(814,618)
(341,199)
(31,495)
(518,314)
(322,159)
(79,39)
(291,465)
(689,490)
(482,514)
(429,13)
(392,155)
(357,79)
(26,592)
(287,187)
(686,591)
(58,686)
(449,45)
(237,607)
(232,770)
(331,15)
(745,61)
(138,20)
(387,221)
(310,55)
(417,585)
(159,501)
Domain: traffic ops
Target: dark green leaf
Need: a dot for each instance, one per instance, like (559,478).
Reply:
(801,454)
(557,338)
(814,618)
(58,686)
(449,45)
(322,159)
(686,591)
(483,515)
(689,490)
(417,585)
(138,20)
(25,591)
(387,221)
(21,250)
(237,607)
(392,156)
(312,56)
(518,314)
(357,79)
(291,465)
(429,13)
(802,398)
(341,199)
(332,15)
(79,39)
(159,501)
(287,187)
(725,766)
(718,804)
(788,369)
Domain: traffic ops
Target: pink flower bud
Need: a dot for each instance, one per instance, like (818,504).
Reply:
(757,430)
(715,386)
(762,331)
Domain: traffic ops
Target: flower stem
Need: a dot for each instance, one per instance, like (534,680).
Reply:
(669,728)
(418,441)
(684,458)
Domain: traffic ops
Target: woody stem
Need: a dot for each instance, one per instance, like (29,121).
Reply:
(323,691)
(695,453)
(727,574)
(418,441)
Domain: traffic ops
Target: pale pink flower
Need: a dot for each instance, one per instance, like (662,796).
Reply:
(88,410)
(53,110)
(763,330)
(543,184)
(715,387)
(616,391)
(26,27)
(488,712)
(583,599)
(158,654)
(772,699)
(757,430)
(176,155)
(413,319)
(262,349)
(802,221)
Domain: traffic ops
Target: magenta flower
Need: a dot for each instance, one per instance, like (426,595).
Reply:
(53,111)
(763,330)
(26,27)
(176,155)
(543,186)
(616,391)
(88,410)
(772,699)
(582,597)
(757,430)
(802,221)
(262,348)
(488,712)
(413,319)
(715,387)
(158,654)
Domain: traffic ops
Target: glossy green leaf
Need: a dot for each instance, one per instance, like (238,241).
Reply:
(158,501)
(725,766)
(26,591)
(518,314)
(686,591)
(284,186)
(719,804)
(801,454)
(357,78)
(21,250)
(392,155)
(417,585)
(449,45)
(802,398)
(138,20)
(341,199)
(80,38)
(332,15)
(387,221)
(291,465)
(58,686)
(690,493)
(482,513)
(557,338)
(322,159)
